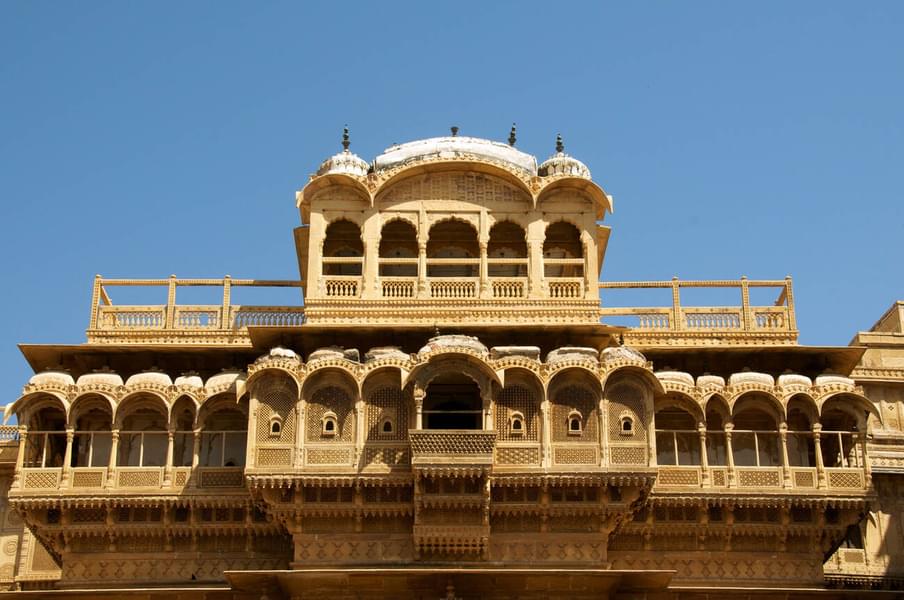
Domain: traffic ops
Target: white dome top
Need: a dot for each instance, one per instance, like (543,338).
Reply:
(452,147)
(100,377)
(563,164)
(345,163)
(149,378)
(51,376)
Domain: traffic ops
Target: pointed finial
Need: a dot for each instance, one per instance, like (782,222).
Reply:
(345,140)
(560,147)
(512,137)
(454,130)
(436,330)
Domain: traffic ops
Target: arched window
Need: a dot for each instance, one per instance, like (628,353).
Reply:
(387,428)
(575,423)
(343,250)
(452,250)
(516,425)
(627,426)
(93,441)
(677,439)
(275,426)
(563,252)
(453,402)
(224,436)
(143,437)
(755,440)
(398,249)
(507,251)
(329,425)
(45,445)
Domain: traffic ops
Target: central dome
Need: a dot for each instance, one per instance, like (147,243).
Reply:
(453,147)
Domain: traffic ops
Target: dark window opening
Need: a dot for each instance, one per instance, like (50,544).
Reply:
(453,402)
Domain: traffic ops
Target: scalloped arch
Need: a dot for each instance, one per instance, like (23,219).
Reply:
(14,406)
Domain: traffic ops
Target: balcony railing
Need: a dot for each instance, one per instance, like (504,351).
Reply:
(214,318)
(775,319)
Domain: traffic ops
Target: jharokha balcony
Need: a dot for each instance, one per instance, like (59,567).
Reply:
(452,294)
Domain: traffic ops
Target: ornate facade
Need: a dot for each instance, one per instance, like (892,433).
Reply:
(449,411)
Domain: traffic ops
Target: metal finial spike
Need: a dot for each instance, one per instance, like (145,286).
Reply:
(454,129)
(436,330)
(560,147)
(512,139)
(345,139)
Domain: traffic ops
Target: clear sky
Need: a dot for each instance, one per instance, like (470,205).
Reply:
(139,139)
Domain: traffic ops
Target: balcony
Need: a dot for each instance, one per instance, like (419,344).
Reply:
(452,447)
(775,323)
(222,322)
(127,480)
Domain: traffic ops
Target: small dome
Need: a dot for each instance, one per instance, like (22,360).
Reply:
(149,378)
(455,148)
(751,377)
(710,380)
(453,341)
(100,377)
(563,164)
(617,353)
(794,379)
(51,376)
(345,163)
(531,352)
(190,379)
(225,379)
(675,377)
(829,379)
(385,352)
(280,352)
(572,353)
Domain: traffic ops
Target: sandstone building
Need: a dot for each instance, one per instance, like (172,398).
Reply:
(449,411)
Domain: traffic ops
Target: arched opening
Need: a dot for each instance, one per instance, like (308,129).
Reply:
(330,409)
(838,439)
(755,440)
(716,418)
(452,250)
(517,411)
(453,402)
(801,446)
(398,249)
(563,253)
(183,416)
(507,251)
(387,409)
(343,250)
(224,436)
(574,402)
(677,439)
(143,437)
(92,442)
(45,445)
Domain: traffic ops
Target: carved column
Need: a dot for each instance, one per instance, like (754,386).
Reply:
(786,464)
(370,269)
(114,451)
(604,432)
(168,468)
(729,455)
(484,272)
(535,235)
(867,469)
(419,407)
(67,457)
(360,430)
(676,305)
(488,420)
(196,449)
(704,459)
(422,289)
(545,436)
(20,458)
(817,449)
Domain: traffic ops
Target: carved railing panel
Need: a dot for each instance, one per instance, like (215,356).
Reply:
(452,446)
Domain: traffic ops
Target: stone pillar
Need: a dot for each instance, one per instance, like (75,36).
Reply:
(485,291)
(867,469)
(418,407)
(535,277)
(488,420)
(196,449)
(423,291)
(360,430)
(370,270)
(114,452)
(704,460)
(20,457)
(67,457)
(817,448)
(786,463)
(545,437)
(168,468)
(729,455)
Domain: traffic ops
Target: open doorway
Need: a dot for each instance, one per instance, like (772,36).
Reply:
(453,402)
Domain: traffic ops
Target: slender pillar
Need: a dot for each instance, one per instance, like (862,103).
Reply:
(20,458)
(422,289)
(484,272)
(867,469)
(729,455)
(704,460)
(817,447)
(676,305)
(419,407)
(369,269)
(67,457)
(114,452)
(786,464)
(360,431)
(168,469)
(535,274)
(225,319)
(196,449)
(546,450)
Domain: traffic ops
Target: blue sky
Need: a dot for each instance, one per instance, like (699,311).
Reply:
(139,139)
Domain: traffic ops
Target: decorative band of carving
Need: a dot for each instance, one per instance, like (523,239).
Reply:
(628,455)
(575,455)
(274,457)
